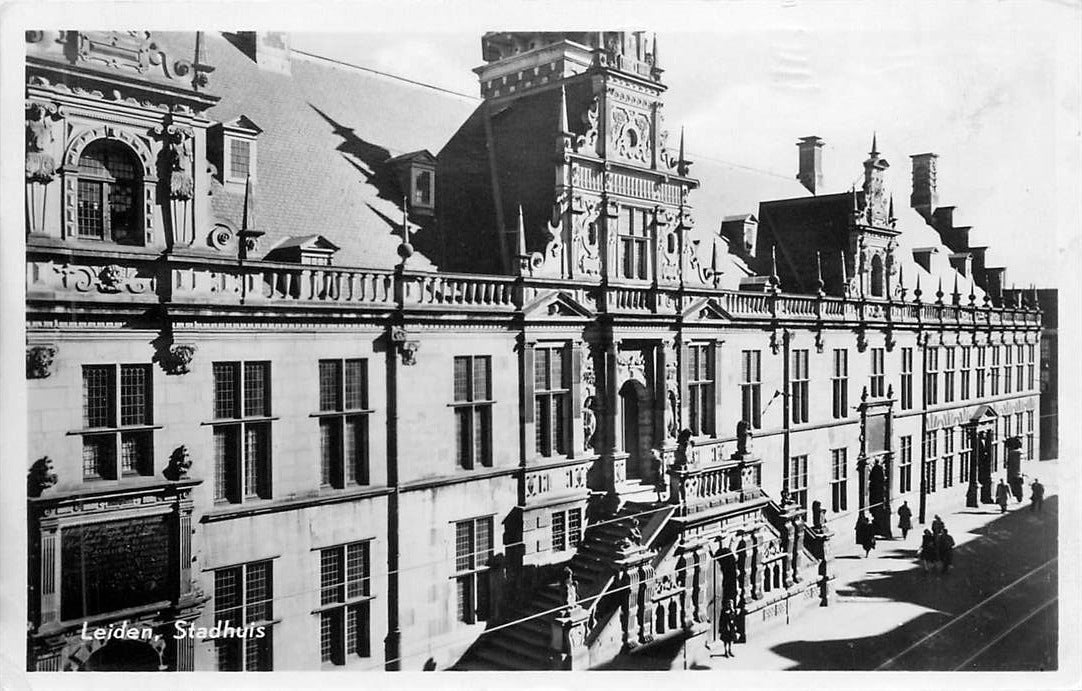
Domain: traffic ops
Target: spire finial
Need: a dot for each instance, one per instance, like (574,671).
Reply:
(845,278)
(890,214)
(681,160)
(819,273)
(916,291)
(562,123)
(657,62)
(249,212)
(405,219)
(939,291)
(875,150)
(901,281)
(521,233)
(955,296)
(774,263)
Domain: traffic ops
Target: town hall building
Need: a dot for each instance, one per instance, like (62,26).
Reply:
(361,374)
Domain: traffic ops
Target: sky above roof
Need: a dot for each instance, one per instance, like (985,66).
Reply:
(992,88)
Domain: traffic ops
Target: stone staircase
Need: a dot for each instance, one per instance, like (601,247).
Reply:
(526,645)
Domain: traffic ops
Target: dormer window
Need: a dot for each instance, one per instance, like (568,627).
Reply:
(311,250)
(231,147)
(109,189)
(416,174)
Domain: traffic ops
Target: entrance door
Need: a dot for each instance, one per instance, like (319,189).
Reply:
(636,415)
(877,500)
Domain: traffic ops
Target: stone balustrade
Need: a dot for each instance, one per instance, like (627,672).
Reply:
(694,489)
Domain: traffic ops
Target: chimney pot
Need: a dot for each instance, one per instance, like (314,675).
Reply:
(924,198)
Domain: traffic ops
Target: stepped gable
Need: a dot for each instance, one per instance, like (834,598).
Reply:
(327,131)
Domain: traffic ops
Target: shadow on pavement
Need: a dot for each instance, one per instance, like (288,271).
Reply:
(1003,550)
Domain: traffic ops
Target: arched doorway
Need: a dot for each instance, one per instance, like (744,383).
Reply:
(877,500)
(636,438)
(123,656)
(725,587)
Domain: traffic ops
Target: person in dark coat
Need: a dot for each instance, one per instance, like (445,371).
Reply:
(727,627)
(1037,496)
(1017,486)
(927,553)
(865,534)
(945,549)
(1003,493)
(937,525)
(905,516)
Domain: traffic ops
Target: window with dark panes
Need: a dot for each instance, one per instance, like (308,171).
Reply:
(966,370)
(839,479)
(905,464)
(750,387)
(634,232)
(240,157)
(473,551)
(982,373)
(345,616)
(1030,367)
(931,460)
(473,410)
(906,392)
(566,529)
(701,389)
(839,382)
(965,455)
(108,193)
(798,401)
(948,457)
(931,376)
(1008,369)
(343,422)
(994,369)
(242,431)
(948,374)
(1020,367)
(798,480)
(118,431)
(877,383)
(552,400)
(244,596)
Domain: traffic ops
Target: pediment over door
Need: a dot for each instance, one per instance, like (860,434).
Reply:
(556,304)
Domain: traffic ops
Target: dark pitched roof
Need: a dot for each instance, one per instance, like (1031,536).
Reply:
(328,131)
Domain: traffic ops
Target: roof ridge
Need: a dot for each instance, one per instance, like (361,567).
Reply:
(387,75)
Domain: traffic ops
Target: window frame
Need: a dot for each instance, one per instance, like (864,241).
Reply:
(116,431)
(473,409)
(640,239)
(840,384)
(877,381)
(905,464)
(965,369)
(839,479)
(751,382)
(797,479)
(105,183)
(473,578)
(798,387)
(702,383)
(570,535)
(232,481)
(552,404)
(337,612)
(229,138)
(335,472)
(982,372)
(949,362)
(263,645)
(906,384)
(931,375)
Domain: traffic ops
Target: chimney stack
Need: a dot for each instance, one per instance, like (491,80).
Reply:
(924,198)
(268,49)
(811,163)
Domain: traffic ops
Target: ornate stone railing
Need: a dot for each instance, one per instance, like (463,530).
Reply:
(694,489)
(261,283)
(457,290)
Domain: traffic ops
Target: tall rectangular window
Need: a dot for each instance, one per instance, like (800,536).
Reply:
(118,431)
(244,596)
(965,455)
(931,376)
(701,389)
(798,400)
(473,550)
(552,400)
(905,464)
(242,431)
(931,460)
(1008,369)
(1020,367)
(239,158)
(343,422)
(473,411)
(634,235)
(839,382)
(839,479)
(877,382)
(967,364)
(995,370)
(948,457)
(750,385)
(345,617)
(948,374)
(1031,360)
(906,392)
(566,529)
(982,372)
(1029,435)
(798,480)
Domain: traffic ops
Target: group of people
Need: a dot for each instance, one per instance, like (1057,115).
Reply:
(1004,492)
(936,547)
(865,534)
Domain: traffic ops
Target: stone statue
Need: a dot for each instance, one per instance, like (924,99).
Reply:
(570,590)
(684,445)
(743,437)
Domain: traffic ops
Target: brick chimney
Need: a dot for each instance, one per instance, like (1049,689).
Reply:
(924,197)
(811,163)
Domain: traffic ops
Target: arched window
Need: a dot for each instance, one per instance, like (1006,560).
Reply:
(110,183)
(877,276)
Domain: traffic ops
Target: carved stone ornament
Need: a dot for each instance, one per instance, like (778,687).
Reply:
(109,278)
(180,462)
(40,164)
(672,391)
(41,477)
(221,238)
(589,399)
(177,157)
(587,143)
(407,347)
(39,361)
(178,359)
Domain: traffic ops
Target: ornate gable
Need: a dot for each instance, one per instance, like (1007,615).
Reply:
(558,305)
(704,309)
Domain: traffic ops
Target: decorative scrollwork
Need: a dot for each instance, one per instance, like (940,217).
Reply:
(587,143)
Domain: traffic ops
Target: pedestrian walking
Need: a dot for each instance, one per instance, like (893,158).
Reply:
(1002,494)
(1017,485)
(937,525)
(926,555)
(905,516)
(865,534)
(727,631)
(1037,496)
(945,549)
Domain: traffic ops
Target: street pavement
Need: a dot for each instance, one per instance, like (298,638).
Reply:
(997,609)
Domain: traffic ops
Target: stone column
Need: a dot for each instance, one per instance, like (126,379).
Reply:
(607,422)
(757,563)
(631,609)
(702,579)
(788,542)
(743,569)
(798,545)
(569,650)
(49,577)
